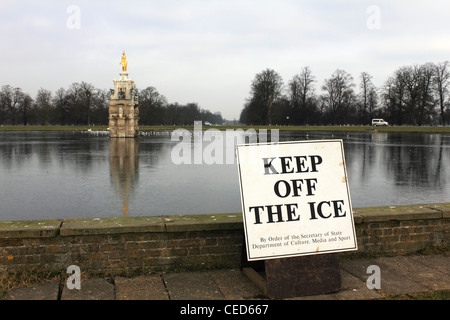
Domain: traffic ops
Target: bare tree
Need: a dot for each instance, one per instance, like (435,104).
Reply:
(427,101)
(44,105)
(60,103)
(368,98)
(73,101)
(339,97)
(301,95)
(409,96)
(5,102)
(394,98)
(266,89)
(10,102)
(87,96)
(152,106)
(25,105)
(81,99)
(99,107)
(441,83)
(418,96)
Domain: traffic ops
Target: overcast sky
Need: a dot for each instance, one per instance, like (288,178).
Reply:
(209,51)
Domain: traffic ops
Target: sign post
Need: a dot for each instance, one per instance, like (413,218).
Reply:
(297,213)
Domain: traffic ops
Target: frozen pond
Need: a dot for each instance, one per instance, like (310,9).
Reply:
(47,175)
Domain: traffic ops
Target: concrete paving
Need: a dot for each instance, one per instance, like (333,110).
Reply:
(398,275)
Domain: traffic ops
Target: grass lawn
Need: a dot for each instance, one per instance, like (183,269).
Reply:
(50,128)
(225,127)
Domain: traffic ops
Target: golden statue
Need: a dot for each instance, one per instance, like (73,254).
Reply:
(123,62)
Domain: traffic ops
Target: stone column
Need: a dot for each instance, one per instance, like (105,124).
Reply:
(123,109)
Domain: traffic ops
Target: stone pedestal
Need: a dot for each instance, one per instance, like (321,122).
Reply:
(123,109)
(294,277)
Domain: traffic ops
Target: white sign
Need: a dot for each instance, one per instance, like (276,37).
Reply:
(295,199)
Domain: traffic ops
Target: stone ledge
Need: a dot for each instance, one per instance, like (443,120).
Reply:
(200,222)
(443,207)
(175,223)
(29,229)
(203,222)
(95,226)
(399,213)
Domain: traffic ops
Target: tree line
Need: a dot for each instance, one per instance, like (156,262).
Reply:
(412,95)
(83,104)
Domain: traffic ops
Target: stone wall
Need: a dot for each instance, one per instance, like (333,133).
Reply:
(133,245)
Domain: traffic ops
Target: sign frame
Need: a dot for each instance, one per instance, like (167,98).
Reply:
(275,162)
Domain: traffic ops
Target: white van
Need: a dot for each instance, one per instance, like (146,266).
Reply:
(379,122)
